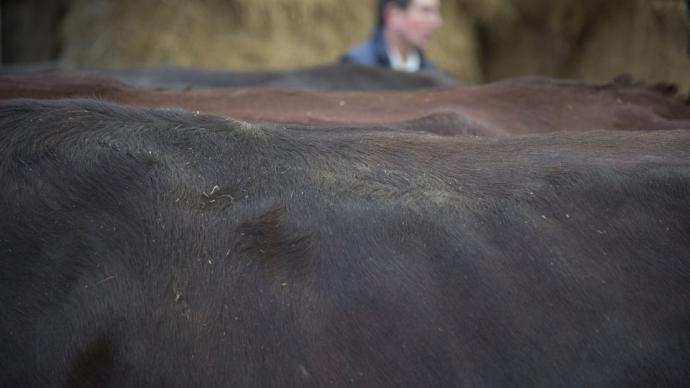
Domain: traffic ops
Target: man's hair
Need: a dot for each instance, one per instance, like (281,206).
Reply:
(381,5)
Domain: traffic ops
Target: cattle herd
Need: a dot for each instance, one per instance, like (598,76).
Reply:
(341,226)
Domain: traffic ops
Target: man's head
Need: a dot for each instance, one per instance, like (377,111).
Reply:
(413,21)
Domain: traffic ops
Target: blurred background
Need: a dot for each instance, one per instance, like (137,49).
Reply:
(480,41)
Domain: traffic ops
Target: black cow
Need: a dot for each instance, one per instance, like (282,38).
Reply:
(325,77)
(143,247)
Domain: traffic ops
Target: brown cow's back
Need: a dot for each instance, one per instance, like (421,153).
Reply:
(510,107)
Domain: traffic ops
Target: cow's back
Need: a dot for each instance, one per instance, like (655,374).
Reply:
(151,247)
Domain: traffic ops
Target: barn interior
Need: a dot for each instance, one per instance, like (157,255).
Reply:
(194,194)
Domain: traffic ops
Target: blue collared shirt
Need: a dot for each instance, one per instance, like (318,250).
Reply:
(374,52)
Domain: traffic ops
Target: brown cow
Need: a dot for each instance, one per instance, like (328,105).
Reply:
(516,106)
(341,76)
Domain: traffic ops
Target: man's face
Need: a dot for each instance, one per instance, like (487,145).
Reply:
(417,22)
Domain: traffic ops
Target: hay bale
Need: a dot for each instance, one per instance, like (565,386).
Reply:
(584,39)
(220,33)
(524,37)
(647,39)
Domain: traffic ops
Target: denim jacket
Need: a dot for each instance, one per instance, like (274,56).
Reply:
(373,52)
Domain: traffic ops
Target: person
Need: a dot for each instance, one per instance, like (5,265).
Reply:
(402,31)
